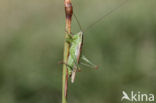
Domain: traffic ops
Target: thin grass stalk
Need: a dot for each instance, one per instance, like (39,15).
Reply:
(68,12)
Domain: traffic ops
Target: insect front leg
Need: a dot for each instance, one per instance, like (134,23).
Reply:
(69,38)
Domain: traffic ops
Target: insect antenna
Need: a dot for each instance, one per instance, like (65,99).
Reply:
(77,21)
(105,15)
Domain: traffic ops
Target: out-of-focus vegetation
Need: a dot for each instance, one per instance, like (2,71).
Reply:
(31,44)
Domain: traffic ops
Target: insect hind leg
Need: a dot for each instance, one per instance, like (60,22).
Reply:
(88,63)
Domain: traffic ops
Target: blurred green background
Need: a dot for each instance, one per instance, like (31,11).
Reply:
(31,44)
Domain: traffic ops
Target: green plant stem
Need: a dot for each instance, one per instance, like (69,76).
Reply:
(68,12)
(65,72)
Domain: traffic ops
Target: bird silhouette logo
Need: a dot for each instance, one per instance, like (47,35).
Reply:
(125,96)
